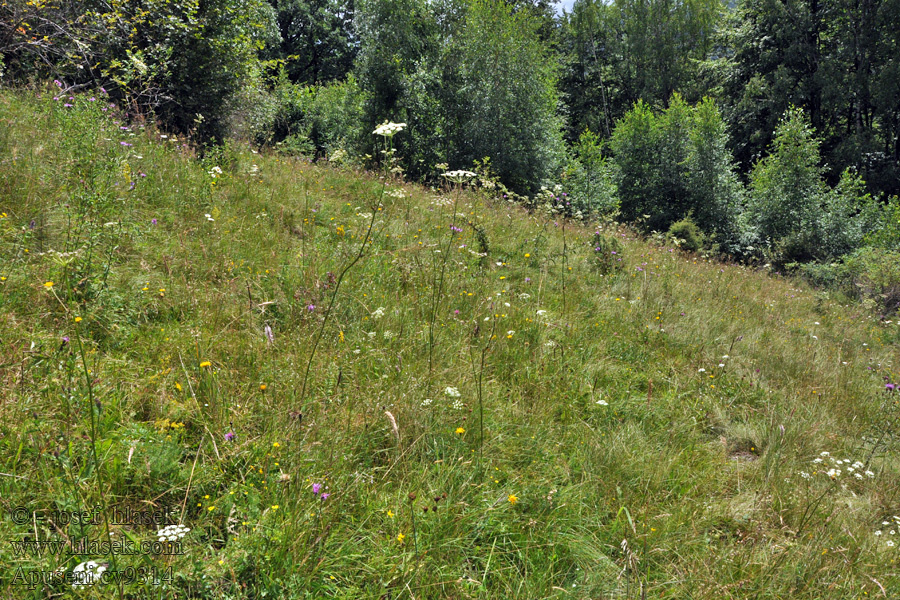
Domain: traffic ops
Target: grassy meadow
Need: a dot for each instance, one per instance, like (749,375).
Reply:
(351,387)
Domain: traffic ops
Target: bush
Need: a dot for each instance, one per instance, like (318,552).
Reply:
(590,178)
(674,164)
(687,234)
(792,211)
(875,273)
(607,252)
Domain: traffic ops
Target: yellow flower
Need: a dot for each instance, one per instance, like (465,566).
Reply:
(205,363)
(276,445)
(262,387)
(211,508)
(177,386)
(48,285)
(400,537)
(460,430)
(78,319)
(512,499)
(390,514)
(274,507)
(527,256)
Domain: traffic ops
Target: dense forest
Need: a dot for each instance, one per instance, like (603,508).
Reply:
(765,130)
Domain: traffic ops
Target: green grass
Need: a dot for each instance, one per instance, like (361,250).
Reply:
(587,455)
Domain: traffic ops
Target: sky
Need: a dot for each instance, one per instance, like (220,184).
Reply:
(567,4)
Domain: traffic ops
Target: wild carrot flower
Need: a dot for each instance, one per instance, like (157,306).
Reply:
(87,573)
(389,129)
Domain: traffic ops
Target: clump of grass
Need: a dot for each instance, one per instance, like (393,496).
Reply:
(640,433)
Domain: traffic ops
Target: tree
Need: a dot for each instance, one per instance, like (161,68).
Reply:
(630,50)
(505,104)
(317,39)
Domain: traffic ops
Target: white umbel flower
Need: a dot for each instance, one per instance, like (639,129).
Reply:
(388,129)
(87,573)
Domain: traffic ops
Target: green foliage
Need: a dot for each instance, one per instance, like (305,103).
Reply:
(590,181)
(676,163)
(505,104)
(839,61)
(317,40)
(183,59)
(876,274)
(469,79)
(793,212)
(687,234)
(620,52)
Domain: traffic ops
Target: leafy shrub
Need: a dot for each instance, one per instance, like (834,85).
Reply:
(875,273)
(676,163)
(687,234)
(791,209)
(590,178)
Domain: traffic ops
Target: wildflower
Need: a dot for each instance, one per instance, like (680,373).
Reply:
(512,498)
(229,437)
(390,514)
(878,532)
(324,496)
(48,285)
(602,402)
(389,129)
(541,312)
(172,533)
(701,370)
(78,319)
(311,307)
(889,387)
(400,537)
(205,363)
(316,488)
(65,340)
(890,544)
(378,312)
(459,175)
(209,217)
(460,430)
(153,221)
(87,573)
(276,445)
(452,392)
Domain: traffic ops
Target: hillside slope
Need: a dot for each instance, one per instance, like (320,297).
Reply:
(482,403)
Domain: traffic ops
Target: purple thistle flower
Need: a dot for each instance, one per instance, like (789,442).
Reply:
(456,229)
(153,221)
(528,280)
(126,144)
(65,339)
(324,496)
(229,436)
(889,387)
(316,488)
(311,307)
(67,105)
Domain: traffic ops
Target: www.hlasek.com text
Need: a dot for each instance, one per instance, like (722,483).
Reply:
(86,547)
